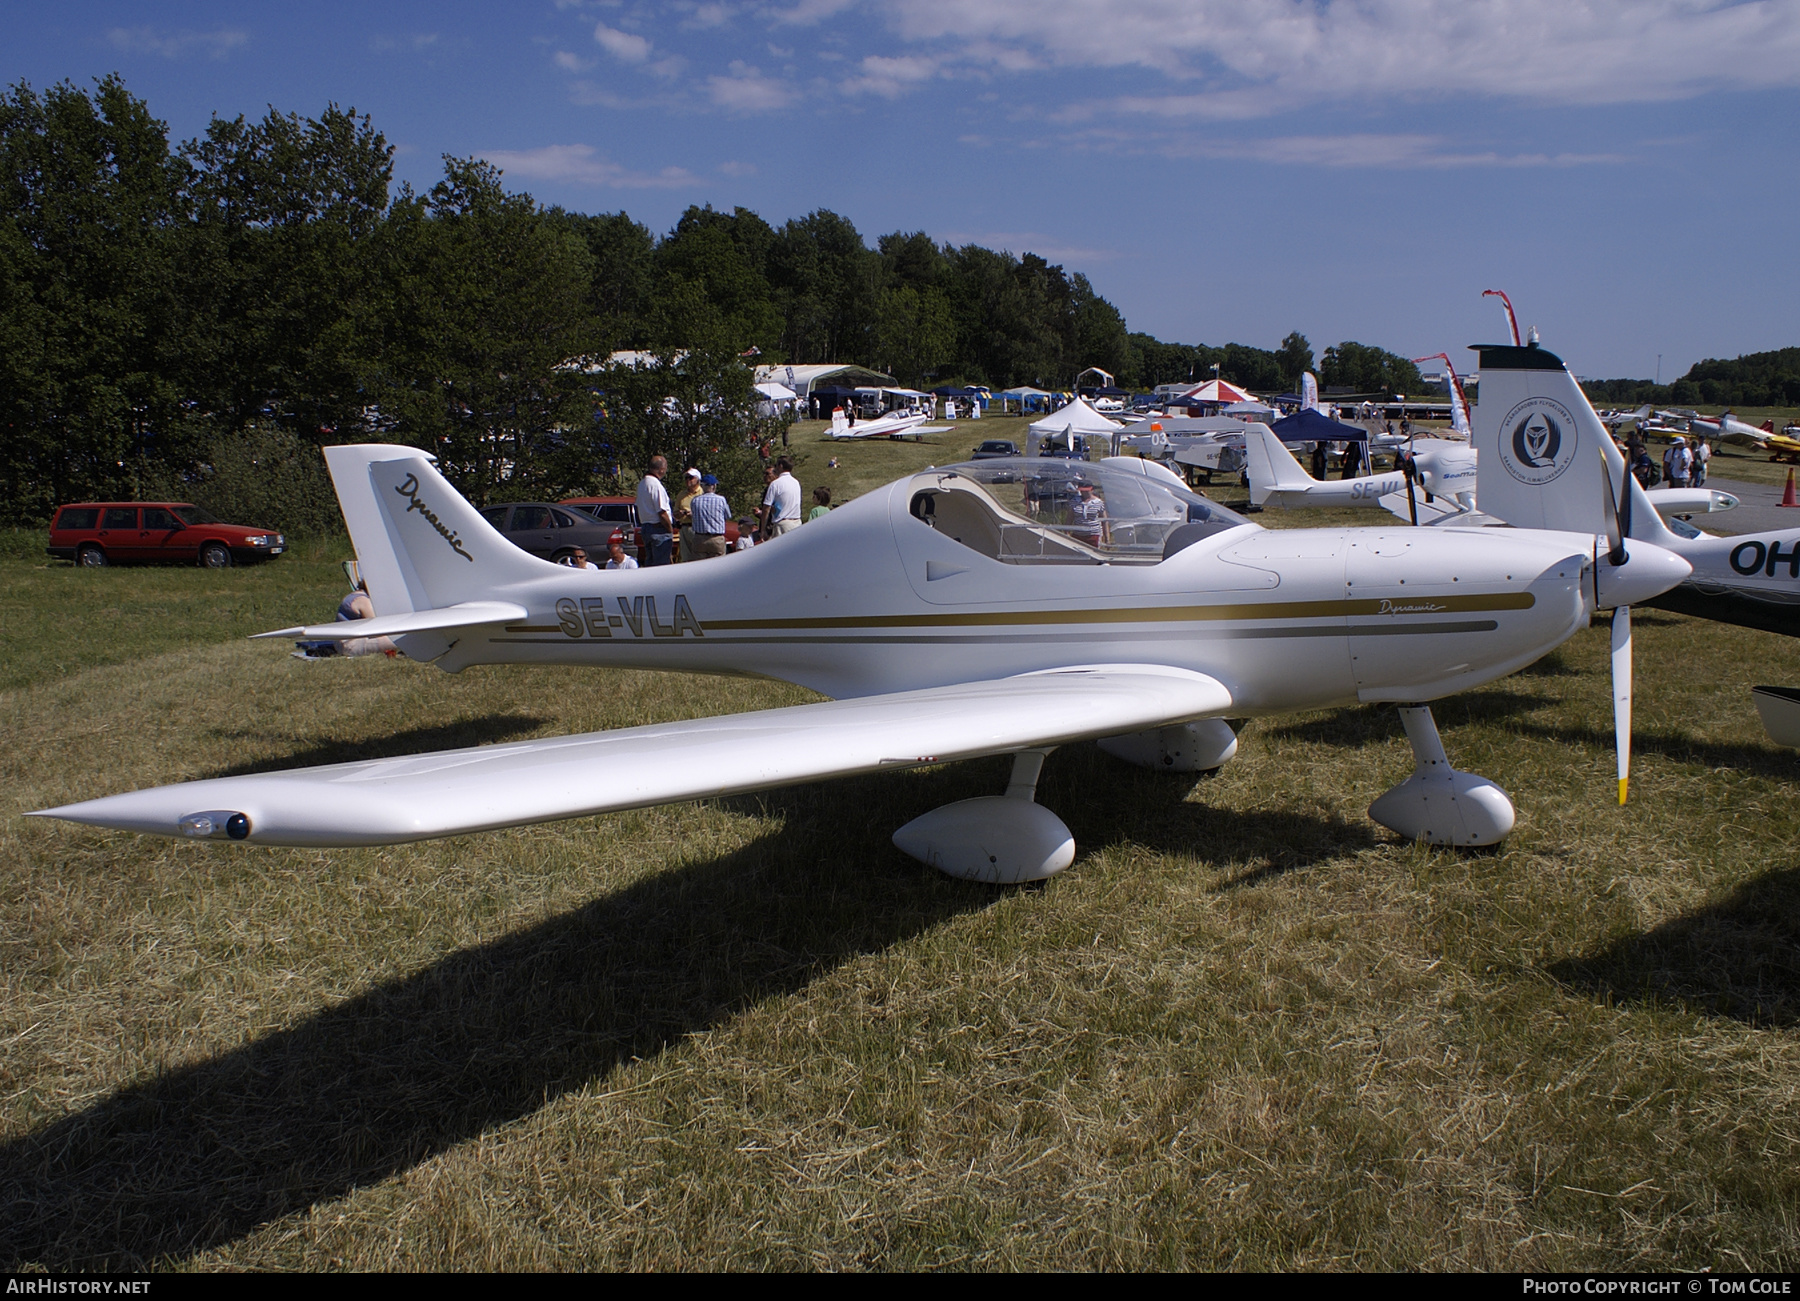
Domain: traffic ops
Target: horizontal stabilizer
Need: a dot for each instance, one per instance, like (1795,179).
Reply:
(470,614)
(453,792)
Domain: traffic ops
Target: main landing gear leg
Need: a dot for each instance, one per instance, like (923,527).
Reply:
(1438,804)
(1000,839)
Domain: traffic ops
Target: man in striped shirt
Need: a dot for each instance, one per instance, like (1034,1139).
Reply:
(710,513)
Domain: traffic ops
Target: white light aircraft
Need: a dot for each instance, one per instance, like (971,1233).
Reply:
(987,608)
(1445,469)
(1726,429)
(896,424)
(1536,414)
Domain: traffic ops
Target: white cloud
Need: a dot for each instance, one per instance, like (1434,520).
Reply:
(709,15)
(890,77)
(581,165)
(623,46)
(173,45)
(670,67)
(1374,150)
(1047,247)
(738,169)
(746,90)
(808,12)
(572,62)
(1254,57)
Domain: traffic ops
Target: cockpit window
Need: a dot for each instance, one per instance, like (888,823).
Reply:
(1038,510)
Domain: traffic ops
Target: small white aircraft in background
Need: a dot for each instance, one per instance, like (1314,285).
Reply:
(1444,469)
(1536,463)
(998,607)
(1725,429)
(896,424)
(1617,420)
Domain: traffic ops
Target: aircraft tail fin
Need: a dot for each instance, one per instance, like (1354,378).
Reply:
(1544,460)
(1272,467)
(419,544)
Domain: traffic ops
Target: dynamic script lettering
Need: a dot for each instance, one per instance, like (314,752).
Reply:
(1409,607)
(410,491)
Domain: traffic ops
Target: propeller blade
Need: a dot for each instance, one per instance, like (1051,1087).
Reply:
(1615,535)
(1621,676)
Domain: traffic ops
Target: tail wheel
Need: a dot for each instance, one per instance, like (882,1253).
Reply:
(91,557)
(215,555)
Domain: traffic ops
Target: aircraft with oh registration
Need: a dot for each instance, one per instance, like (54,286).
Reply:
(986,608)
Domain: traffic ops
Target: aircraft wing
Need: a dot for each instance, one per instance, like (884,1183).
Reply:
(452,792)
(1435,511)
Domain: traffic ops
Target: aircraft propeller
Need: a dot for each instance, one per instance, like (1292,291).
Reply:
(1618,526)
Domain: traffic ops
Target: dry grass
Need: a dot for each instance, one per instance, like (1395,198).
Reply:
(1247,1029)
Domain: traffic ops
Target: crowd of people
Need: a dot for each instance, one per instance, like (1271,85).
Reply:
(694,524)
(1683,465)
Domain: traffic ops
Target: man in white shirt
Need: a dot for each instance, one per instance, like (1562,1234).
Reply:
(617,559)
(654,514)
(781,501)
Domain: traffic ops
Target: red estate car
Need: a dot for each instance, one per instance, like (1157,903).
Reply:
(110,533)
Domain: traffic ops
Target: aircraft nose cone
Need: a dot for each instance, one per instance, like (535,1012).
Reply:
(1649,571)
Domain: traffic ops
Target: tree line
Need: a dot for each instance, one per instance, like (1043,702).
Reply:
(173,316)
(1756,379)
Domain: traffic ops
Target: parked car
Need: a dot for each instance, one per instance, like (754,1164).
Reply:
(551,532)
(161,532)
(994,447)
(622,512)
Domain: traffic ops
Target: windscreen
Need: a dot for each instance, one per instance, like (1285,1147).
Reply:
(1112,513)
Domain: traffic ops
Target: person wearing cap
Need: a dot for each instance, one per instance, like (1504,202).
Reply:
(1678,462)
(683,504)
(711,512)
(616,555)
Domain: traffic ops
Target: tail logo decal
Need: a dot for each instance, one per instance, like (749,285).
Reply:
(1538,441)
(410,491)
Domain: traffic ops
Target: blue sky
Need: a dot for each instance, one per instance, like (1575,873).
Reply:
(1220,169)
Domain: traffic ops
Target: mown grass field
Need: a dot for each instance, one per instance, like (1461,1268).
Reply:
(1247,1029)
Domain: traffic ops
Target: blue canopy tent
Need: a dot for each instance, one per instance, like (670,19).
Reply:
(1311,426)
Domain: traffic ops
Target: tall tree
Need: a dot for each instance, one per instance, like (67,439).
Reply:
(826,281)
(1360,368)
(88,207)
(275,287)
(490,304)
(1296,358)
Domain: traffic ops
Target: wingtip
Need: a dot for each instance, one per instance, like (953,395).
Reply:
(279,632)
(1622,784)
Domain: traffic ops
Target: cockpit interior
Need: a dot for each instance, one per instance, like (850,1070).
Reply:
(1050,511)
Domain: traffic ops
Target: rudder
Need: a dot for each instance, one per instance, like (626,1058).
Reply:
(420,545)
(1543,459)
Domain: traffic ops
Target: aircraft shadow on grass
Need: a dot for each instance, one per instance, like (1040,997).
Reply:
(204,1154)
(1361,725)
(484,730)
(1738,958)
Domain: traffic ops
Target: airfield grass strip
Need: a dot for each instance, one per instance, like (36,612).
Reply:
(1247,1029)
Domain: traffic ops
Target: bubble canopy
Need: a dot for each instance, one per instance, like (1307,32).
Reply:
(1047,510)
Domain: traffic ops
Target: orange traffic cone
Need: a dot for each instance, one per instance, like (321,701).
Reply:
(1787,494)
